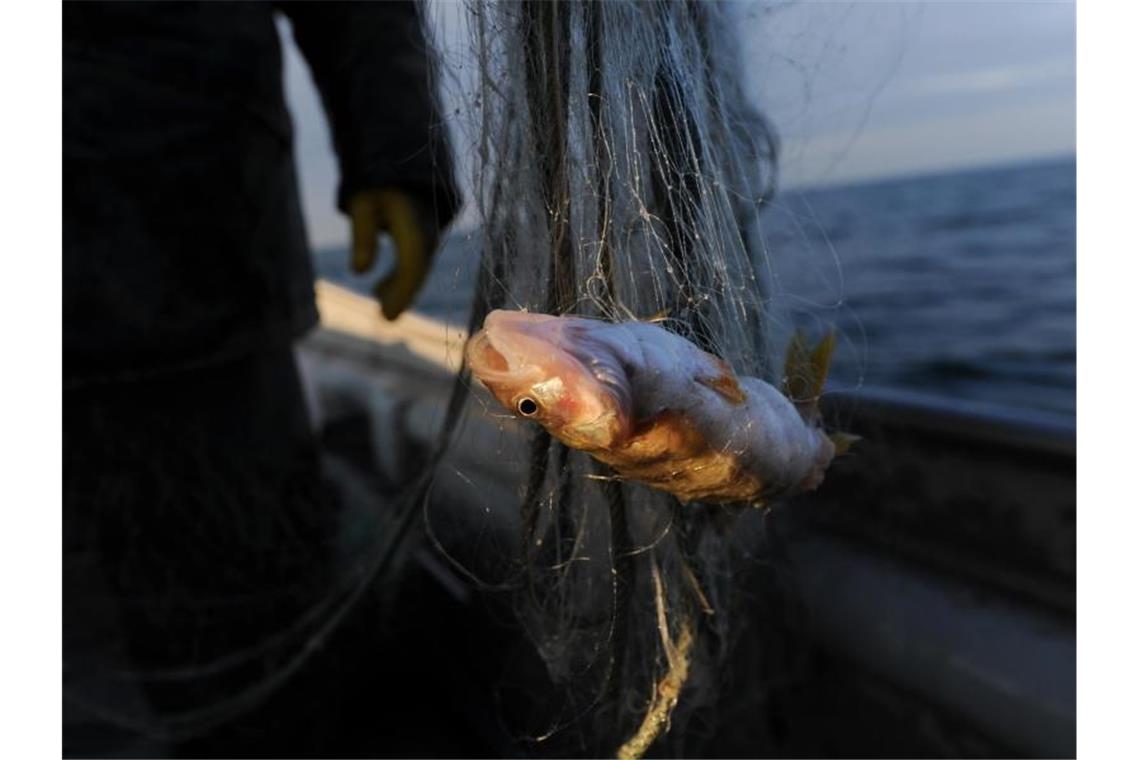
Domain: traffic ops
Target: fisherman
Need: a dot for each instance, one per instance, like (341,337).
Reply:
(197,524)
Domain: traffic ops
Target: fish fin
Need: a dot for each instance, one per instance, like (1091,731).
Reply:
(795,384)
(724,383)
(805,373)
(843,441)
(821,362)
(659,316)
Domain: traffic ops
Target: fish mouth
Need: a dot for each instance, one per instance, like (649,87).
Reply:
(512,347)
(482,356)
(486,362)
(490,360)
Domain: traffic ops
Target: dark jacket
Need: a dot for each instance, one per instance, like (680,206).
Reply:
(183,241)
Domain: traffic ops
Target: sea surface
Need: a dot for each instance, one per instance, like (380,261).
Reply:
(957,285)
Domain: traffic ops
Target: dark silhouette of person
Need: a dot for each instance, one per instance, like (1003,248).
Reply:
(199,532)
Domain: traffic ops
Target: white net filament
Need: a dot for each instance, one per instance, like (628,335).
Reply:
(618,172)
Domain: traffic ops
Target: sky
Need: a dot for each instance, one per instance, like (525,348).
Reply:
(856,90)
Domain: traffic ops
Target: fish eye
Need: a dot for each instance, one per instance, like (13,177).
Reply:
(527,406)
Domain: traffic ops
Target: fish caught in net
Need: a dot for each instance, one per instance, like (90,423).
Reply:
(618,171)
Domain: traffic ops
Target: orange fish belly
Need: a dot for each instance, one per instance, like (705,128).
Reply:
(670,454)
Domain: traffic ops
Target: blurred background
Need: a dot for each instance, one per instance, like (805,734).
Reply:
(923,602)
(927,196)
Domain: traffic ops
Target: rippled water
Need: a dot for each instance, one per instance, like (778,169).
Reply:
(957,285)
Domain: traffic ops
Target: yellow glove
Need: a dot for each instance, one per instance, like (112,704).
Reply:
(413,232)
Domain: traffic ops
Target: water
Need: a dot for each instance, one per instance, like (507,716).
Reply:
(958,285)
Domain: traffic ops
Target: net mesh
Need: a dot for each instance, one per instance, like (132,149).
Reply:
(618,171)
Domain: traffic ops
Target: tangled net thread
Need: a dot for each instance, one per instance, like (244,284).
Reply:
(618,173)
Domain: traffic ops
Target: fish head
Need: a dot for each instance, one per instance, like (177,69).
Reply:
(555,371)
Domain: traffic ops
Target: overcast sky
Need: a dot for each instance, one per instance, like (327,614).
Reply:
(856,90)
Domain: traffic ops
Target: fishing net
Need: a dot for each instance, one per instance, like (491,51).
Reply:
(618,171)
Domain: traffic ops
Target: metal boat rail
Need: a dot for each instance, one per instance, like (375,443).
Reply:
(938,561)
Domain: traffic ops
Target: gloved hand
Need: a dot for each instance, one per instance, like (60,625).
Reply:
(414,233)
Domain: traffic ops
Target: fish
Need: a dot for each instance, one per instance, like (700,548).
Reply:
(658,409)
